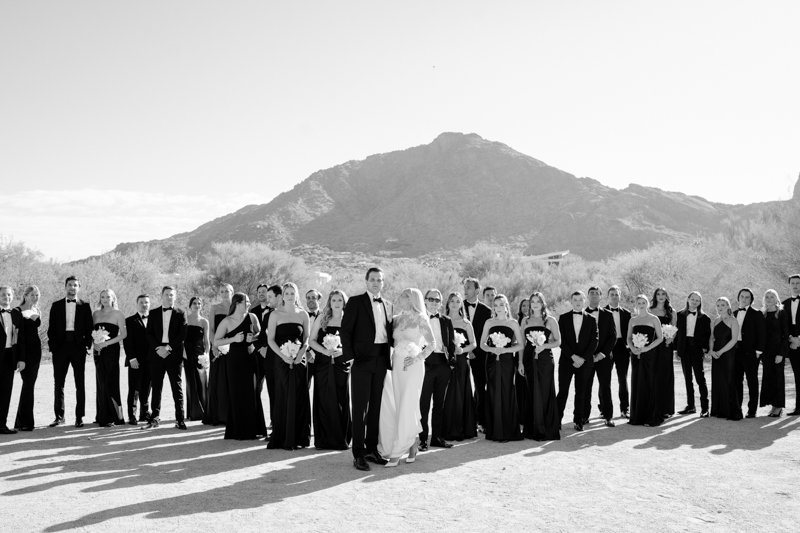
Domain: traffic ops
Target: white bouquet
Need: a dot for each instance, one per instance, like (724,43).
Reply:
(100,335)
(290,349)
(408,350)
(639,340)
(204,360)
(460,339)
(669,331)
(332,342)
(224,349)
(537,338)
(499,340)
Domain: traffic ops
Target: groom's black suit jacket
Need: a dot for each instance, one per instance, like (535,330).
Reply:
(358,328)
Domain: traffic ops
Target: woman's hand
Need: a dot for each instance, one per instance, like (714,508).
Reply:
(459,350)
(250,338)
(538,349)
(408,361)
(100,345)
(239,337)
(521,370)
(778,359)
(636,351)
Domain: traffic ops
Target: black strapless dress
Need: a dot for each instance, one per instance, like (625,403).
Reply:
(541,420)
(245,420)
(291,415)
(665,375)
(502,414)
(773,384)
(109,403)
(459,402)
(645,409)
(196,379)
(724,400)
(217,404)
(332,426)
(33,358)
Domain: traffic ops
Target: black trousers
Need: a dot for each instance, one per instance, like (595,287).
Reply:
(366,384)
(33,360)
(746,366)
(71,353)
(158,367)
(268,374)
(621,361)
(434,385)
(602,369)
(692,362)
(566,371)
(478,366)
(139,386)
(7,367)
(794,358)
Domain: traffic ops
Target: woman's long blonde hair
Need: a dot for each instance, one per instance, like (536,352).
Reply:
(417,302)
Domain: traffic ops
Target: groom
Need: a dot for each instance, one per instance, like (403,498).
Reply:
(366,334)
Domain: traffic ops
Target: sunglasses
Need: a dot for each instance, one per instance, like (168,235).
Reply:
(433,300)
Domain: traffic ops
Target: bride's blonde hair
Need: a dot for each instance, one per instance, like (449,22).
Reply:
(415,297)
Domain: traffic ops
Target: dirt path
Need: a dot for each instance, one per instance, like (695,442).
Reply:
(688,475)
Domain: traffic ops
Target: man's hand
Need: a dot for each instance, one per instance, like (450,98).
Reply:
(577,362)
(134,364)
(20,366)
(599,356)
(162,352)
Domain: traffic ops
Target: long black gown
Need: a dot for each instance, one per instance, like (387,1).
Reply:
(332,427)
(724,403)
(541,420)
(33,358)
(773,385)
(665,375)
(109,402)
(645,408)
(217,404)
(459,402)
(196,379)
(502,414)
(245,420)
(291,416)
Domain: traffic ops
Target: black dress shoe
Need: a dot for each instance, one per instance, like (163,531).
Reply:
(5,431)
(610,423)
(750,415)
(145,417)
(440,443)
(26,429)
(423,446)
(796,412)
(704,414)
(688,411)
(625,413)
(154,423)
(180,425)
(79,422)
(585,421)
(374,457)
(57,422)
(133,422)
(361,464)
(578,426)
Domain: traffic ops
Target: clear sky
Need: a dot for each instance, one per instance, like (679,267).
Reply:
(127,121)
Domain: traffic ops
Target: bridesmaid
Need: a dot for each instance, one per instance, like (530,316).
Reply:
(217,394)
(665,370)
(109,401)
(773,387)
(459,403)
(245,419)
(520,383)
(33,356)
(645,408)
(195,345)
(541,420)
(722,346)
(332,426)
(291,417)
(502,415)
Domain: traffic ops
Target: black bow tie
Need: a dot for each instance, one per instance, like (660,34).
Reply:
(691,313)
(614,309)
(591,310)
(377,299)
(144,317)
(435,316)
(470,304)
(166,309)
(71,301)
(795,298)
(5,311)
(576,312)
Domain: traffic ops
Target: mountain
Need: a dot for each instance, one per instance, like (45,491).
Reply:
(454,192)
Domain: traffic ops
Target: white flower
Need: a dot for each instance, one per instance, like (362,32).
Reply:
(669,331)
(332,342)
(408,350)
(499,340)
(459,338)
(639,340)
(100,335)
(203,360)
(224,349)
(290,349)
(537,338)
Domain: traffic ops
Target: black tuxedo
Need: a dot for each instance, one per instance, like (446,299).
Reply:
(584,346)
(70,348)
(622,355)
(607,339)
(310,366)
(172,365)
(437,377)
(691,351)
(266,364)
(481,314)
(9,357)
(794,331)
(139,383)
(370,364)
(754,336)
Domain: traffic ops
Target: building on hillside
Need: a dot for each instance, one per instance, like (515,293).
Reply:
(552,258)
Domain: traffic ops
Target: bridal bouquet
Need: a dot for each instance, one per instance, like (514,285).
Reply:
(224,349)
(100,335)
(459,338)
(332,342)
(639,340)
(204,360)
(669,331)
(537,338)
(290,349)
(499,340)
(407,350)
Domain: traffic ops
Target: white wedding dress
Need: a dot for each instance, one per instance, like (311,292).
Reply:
(400,416)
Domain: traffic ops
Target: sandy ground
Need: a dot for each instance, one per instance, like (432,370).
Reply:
(688,475)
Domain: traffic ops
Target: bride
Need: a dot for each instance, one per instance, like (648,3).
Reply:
(400,415)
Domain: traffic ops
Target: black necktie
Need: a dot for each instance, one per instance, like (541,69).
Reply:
(71,301)
(377,299)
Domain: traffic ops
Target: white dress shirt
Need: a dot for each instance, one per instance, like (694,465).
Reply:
(166,315)
(71,316)
(616,321)
(794,311)
(691,322)
(740,319)
(8,326)
(436,326)
(144,320)
(577,323)
(471,310)
(379,312)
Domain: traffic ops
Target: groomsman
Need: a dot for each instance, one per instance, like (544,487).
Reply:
(790,306)
(621,354)
(752,338)
(489,294)
(312,304)
(694,333)
(437,373)
(579,337)
(69,337)
(477,313)
(137,349)
(12,353)
(602,359)
(166,330)
(269,298)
